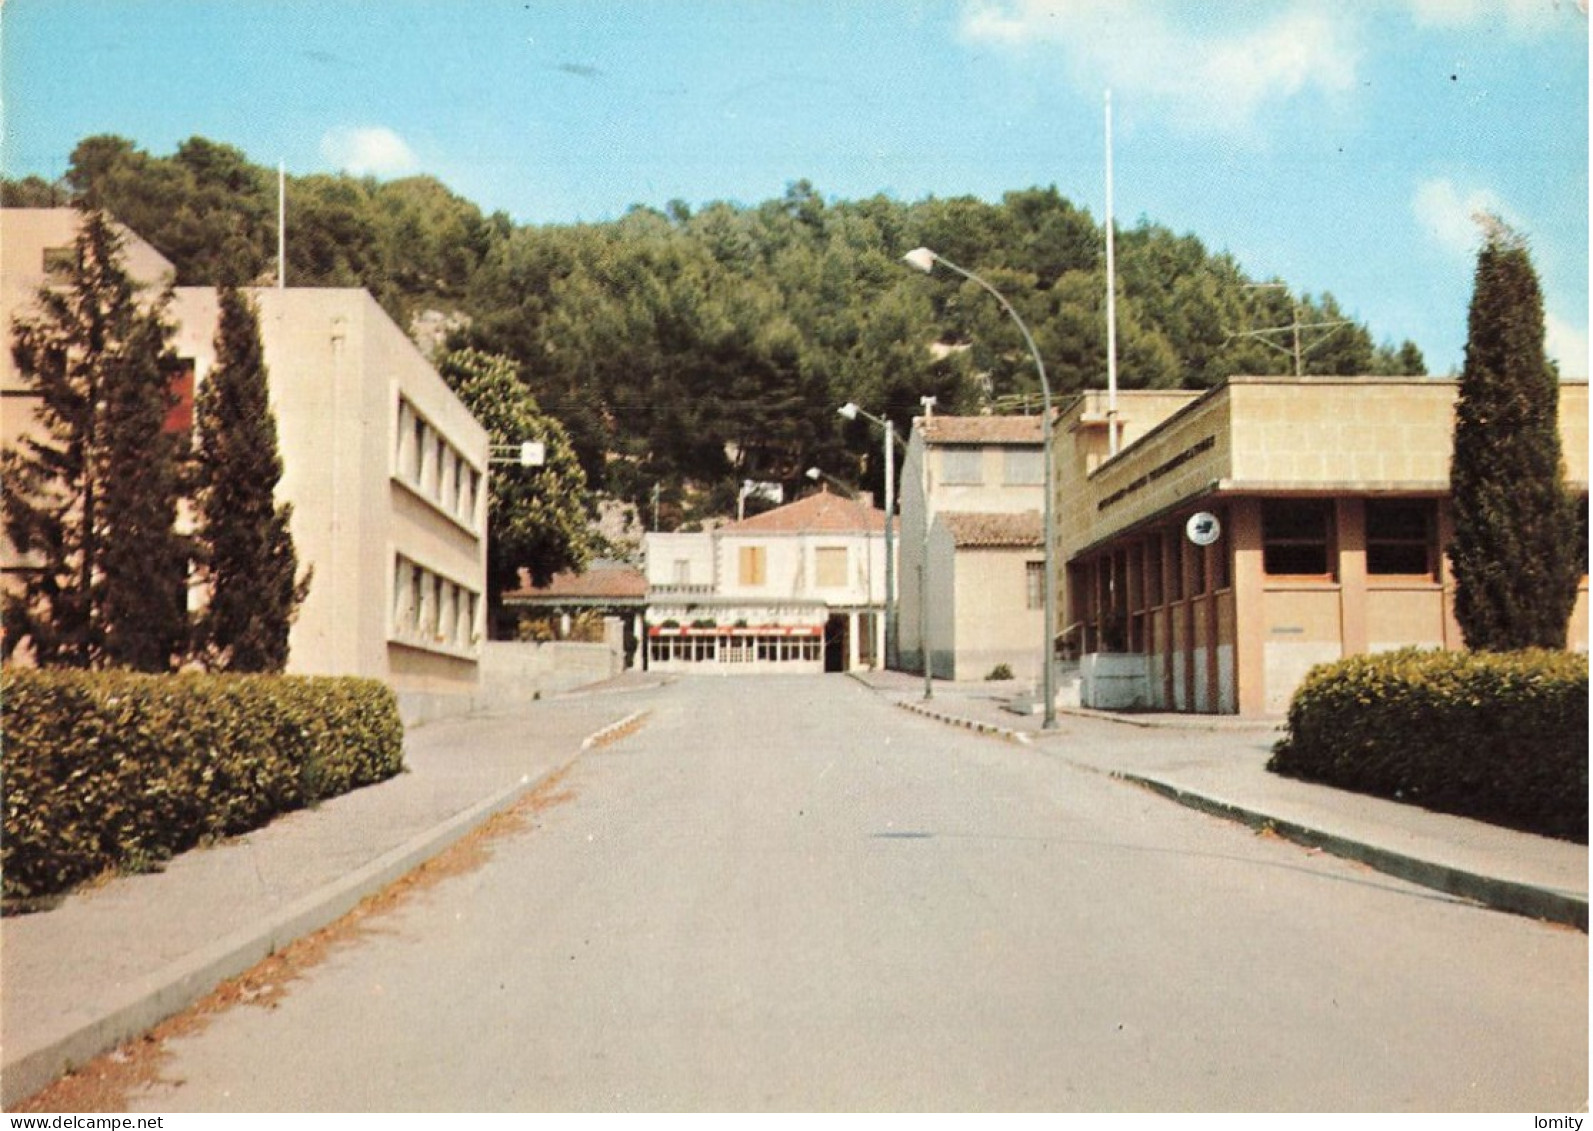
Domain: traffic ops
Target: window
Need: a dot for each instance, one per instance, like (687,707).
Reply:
(1294,537)
(1399,536)
(1034,585)
(682,571)
(963,466)
(831,566)
(59,263)
(1175,568)
(180,416)
(751,561)
(1024,467)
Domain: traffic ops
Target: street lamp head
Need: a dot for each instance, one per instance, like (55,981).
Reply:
(814,473)
(921,258)
(849,410)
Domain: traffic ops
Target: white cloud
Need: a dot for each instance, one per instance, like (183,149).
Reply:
(1519,16)
(1448,215)
(368,151)
(1214,79)
(1566,342)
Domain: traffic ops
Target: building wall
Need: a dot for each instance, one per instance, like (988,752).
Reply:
(679,560)
(967,625)
(776,623)
(1221,633)
(994,624)
(27,237)
(369,505)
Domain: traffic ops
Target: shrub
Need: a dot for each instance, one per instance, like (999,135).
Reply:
(1501,737)
(1000,671)
(112,770)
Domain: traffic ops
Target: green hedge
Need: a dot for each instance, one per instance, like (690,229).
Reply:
(1499,737)
(112,770)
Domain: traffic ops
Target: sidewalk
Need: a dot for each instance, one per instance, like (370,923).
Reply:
(111,962)
(1218,764)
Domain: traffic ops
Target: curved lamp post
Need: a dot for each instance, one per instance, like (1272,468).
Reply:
(851,411)
(924,260)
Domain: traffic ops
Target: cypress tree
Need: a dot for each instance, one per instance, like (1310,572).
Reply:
(243,532)
(1514,550)
(91,494)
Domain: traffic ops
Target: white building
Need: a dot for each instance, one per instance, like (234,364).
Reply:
(386,469)
(800,588)
(972,546)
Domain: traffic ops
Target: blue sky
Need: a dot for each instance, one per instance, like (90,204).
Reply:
(1339,146)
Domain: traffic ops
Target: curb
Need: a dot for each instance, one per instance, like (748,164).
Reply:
(1510,896)
(967,724)
(169,991)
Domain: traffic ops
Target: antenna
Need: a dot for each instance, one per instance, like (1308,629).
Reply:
(1292,328)
(1111,297)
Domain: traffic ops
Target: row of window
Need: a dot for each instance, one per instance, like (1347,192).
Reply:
(1401,537)
(735,649)
(433,468)
(965,467)
(431,611)
(1298,540)
(830,564)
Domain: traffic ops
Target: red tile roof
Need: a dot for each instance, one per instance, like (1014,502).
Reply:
(603,581)
(983,430)
(818,513)
(994,531)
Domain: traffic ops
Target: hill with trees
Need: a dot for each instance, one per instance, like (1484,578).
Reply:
(687,350)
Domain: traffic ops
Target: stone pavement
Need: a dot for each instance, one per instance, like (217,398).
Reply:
(112,961)
(1218,764)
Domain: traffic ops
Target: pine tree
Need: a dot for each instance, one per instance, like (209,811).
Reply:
(1514,548)
(91,496)
(243,532)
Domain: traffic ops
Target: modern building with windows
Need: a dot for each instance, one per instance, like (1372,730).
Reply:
(800,588)
(972,547)
(1243,534)
(385,468)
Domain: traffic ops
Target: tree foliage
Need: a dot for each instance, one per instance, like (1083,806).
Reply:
(245,545)
(1514,551)
(92,493)
(537,517)
(687,350)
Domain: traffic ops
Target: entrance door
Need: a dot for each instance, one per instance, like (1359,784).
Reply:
(836,642)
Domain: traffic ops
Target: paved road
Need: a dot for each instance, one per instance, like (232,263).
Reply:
(783,894)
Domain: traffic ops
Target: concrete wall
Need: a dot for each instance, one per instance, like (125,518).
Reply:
(387,473)
(994,624)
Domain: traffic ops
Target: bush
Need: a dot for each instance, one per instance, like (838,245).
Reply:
(1502,737)
(112,770)
(1000,671)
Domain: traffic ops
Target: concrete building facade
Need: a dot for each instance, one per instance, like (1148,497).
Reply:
(972,549)
(1244,534)
(385,468)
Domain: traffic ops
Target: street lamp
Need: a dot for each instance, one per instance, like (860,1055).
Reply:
(851,411)
(924,260)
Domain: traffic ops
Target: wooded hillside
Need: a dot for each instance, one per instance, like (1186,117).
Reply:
(689,350)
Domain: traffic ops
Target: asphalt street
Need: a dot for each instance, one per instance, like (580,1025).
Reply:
(784,894)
